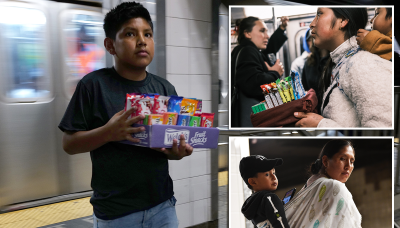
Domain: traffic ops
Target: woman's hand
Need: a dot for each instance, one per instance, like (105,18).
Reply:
(284,21)
(307,119)
(278,67)
(361,34)
(177,153)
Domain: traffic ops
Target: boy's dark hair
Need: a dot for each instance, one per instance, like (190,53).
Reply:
(117,16)
(388,13)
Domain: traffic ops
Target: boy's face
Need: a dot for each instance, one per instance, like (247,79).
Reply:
(379,21)
(134,44)
(264,181)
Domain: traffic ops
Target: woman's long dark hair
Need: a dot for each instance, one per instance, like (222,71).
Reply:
(358,18)
(246,25)
(330,148)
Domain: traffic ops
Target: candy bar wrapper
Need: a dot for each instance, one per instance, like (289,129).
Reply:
(170,118)
(183,120)
(285,91)
(152,96)
(174,104)
(130,99)
(299,85)
(269,102)
(277,96)
(146,120)
(207,119)
(155,119)
(280,90)
(296,94)
(160,104)
(273,98)
(199,106)
(188,106)
(290,87)
(195,121)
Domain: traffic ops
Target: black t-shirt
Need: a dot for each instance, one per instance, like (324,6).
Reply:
(125,178)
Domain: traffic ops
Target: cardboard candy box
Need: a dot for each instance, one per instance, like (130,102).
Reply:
(161,136)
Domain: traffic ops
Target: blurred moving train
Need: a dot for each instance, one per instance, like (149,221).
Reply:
(46,47)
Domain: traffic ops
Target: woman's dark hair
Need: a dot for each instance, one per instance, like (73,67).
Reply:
(330,148)
(117,16)
(358,18)
(246,25)
(388,13)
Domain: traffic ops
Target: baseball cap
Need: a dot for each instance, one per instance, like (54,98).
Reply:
(253,164)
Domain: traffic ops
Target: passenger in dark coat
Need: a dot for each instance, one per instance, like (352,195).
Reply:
(252,70)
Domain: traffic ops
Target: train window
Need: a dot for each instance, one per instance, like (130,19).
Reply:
(24,54)
(83,50)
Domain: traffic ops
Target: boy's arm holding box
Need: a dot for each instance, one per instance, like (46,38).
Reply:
(376,42)
(117,128)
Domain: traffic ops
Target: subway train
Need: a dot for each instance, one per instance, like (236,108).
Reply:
(46,47)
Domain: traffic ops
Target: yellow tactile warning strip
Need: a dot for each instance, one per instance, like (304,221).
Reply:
(60,212)
(47,215)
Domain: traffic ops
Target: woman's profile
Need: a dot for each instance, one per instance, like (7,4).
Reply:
(324,200)
(249,69)
(356,84)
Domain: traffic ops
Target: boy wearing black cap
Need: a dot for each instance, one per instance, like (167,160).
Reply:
(263,207)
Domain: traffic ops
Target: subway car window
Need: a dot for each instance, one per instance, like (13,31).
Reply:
(84,51)
(23,35)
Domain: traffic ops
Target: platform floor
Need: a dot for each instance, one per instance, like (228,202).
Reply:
(78,213)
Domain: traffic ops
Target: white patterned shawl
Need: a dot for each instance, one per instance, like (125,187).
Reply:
(325,203)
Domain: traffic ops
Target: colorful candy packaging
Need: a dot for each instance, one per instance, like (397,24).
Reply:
(199,106)
(285,91)
(207,119)
(174,104)
(272,95)
(280,90)
(188,106)
(299,85)
(155,119)
(268,99)
(195,121)
(160,104)
(290,87)
(146,120)
(170,118)
(275,92)
(296,94)
(183,120)
(130,98)
(152,96)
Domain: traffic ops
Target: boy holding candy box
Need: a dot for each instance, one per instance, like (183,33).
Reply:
(127,180)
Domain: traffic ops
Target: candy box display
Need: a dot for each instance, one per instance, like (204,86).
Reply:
(161,136)
(167,117)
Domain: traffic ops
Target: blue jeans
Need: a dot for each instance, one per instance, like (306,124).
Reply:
(162,215)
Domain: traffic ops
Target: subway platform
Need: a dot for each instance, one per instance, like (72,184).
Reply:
(77,213)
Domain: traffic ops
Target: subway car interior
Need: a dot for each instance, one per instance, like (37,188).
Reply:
(47,46)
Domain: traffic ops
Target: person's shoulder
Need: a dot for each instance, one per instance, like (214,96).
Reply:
(365,63)
(162,82)
(334,185)
(96,75)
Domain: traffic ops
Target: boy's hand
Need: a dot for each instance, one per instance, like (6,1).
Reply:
(307,119)
(177,153)
(278,67)
(119,127)
(361,33)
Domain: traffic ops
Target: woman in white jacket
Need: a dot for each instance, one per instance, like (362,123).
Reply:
(324,201)
(357,85)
